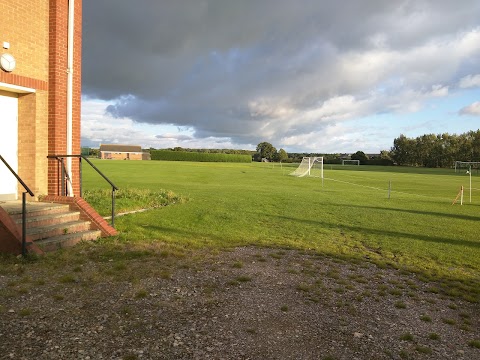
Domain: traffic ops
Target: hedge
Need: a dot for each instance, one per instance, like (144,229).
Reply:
(382,162)
(168,155)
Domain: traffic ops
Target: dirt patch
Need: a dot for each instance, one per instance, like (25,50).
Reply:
(249,303)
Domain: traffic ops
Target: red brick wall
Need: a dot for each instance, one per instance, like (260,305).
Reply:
(11,78)
(57,101)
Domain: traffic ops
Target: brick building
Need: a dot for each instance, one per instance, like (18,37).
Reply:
(40,95)
(34,32)
(120,152)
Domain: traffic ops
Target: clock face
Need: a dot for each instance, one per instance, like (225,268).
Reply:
(7,62)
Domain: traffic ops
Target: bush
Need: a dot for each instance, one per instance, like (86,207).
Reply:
(168,155)
(129,199)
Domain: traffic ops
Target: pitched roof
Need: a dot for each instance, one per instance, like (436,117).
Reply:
(120,148)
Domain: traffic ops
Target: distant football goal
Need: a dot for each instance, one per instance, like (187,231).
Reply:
(459,165)
(310,166)
(350,162)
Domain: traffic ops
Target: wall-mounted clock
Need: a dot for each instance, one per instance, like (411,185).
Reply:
(7,62)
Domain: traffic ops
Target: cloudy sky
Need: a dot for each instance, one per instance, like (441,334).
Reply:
(305,75)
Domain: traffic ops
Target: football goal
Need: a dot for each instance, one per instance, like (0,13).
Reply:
(350,162)
(459,165)
(310,166)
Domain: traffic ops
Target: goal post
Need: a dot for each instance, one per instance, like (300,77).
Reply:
(350,162)
(310,166)
(459,165)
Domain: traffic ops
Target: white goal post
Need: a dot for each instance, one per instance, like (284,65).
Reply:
(310,166)
(466,165)
(350,162)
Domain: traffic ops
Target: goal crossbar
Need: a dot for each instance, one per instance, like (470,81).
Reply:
(466,164)
(350,162)
(310,166)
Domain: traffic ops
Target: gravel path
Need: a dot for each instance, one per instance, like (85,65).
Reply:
(248,303)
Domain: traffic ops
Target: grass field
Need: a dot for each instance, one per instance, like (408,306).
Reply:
(350,216)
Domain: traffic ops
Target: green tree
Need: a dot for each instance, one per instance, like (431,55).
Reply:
(449,149)
(94,152)
(266,150)
(425,150)
(360,155)
(402,150)
(385,155)
(281,155)
(440,150)
(475,136)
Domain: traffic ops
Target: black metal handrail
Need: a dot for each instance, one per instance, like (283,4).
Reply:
(24,205)
(65,179)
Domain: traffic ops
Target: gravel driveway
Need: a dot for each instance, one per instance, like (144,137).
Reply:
(248,303)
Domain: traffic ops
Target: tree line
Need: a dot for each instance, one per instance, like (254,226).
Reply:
(266,151)
(429,150)
(440,150)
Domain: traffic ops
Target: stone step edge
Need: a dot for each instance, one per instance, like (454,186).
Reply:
(59,216)
(31,212)
(84,235)
(47,228)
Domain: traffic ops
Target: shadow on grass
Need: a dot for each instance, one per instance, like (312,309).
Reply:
(204,237)
(397,169)
(176,234)
(429,213)
(384,233)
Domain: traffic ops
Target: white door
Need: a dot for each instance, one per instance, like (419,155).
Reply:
(8,144)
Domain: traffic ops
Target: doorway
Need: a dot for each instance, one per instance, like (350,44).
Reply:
(8,144)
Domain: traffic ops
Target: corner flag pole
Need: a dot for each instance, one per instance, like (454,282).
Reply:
(459,195)
(470,173)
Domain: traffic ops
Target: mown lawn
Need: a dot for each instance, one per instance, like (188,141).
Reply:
(351,216)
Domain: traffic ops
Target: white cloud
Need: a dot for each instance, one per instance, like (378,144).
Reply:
(439,91)
(340,137)
(470,81)
(325,140)
(230,76)
(100,127)
(270,108)
(472,109)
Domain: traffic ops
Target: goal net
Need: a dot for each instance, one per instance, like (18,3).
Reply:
(350,162)
(310,166)
(459,165)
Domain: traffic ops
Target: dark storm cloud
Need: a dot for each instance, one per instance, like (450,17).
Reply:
(239,69)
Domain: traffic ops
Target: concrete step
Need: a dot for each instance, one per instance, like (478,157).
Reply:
(34,209)
(51,226)
(50,219)
(69,227)
(67,240)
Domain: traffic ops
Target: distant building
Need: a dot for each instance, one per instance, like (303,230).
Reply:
(120,152)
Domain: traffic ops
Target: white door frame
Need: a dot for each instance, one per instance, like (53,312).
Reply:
(8,145)
(9,138)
